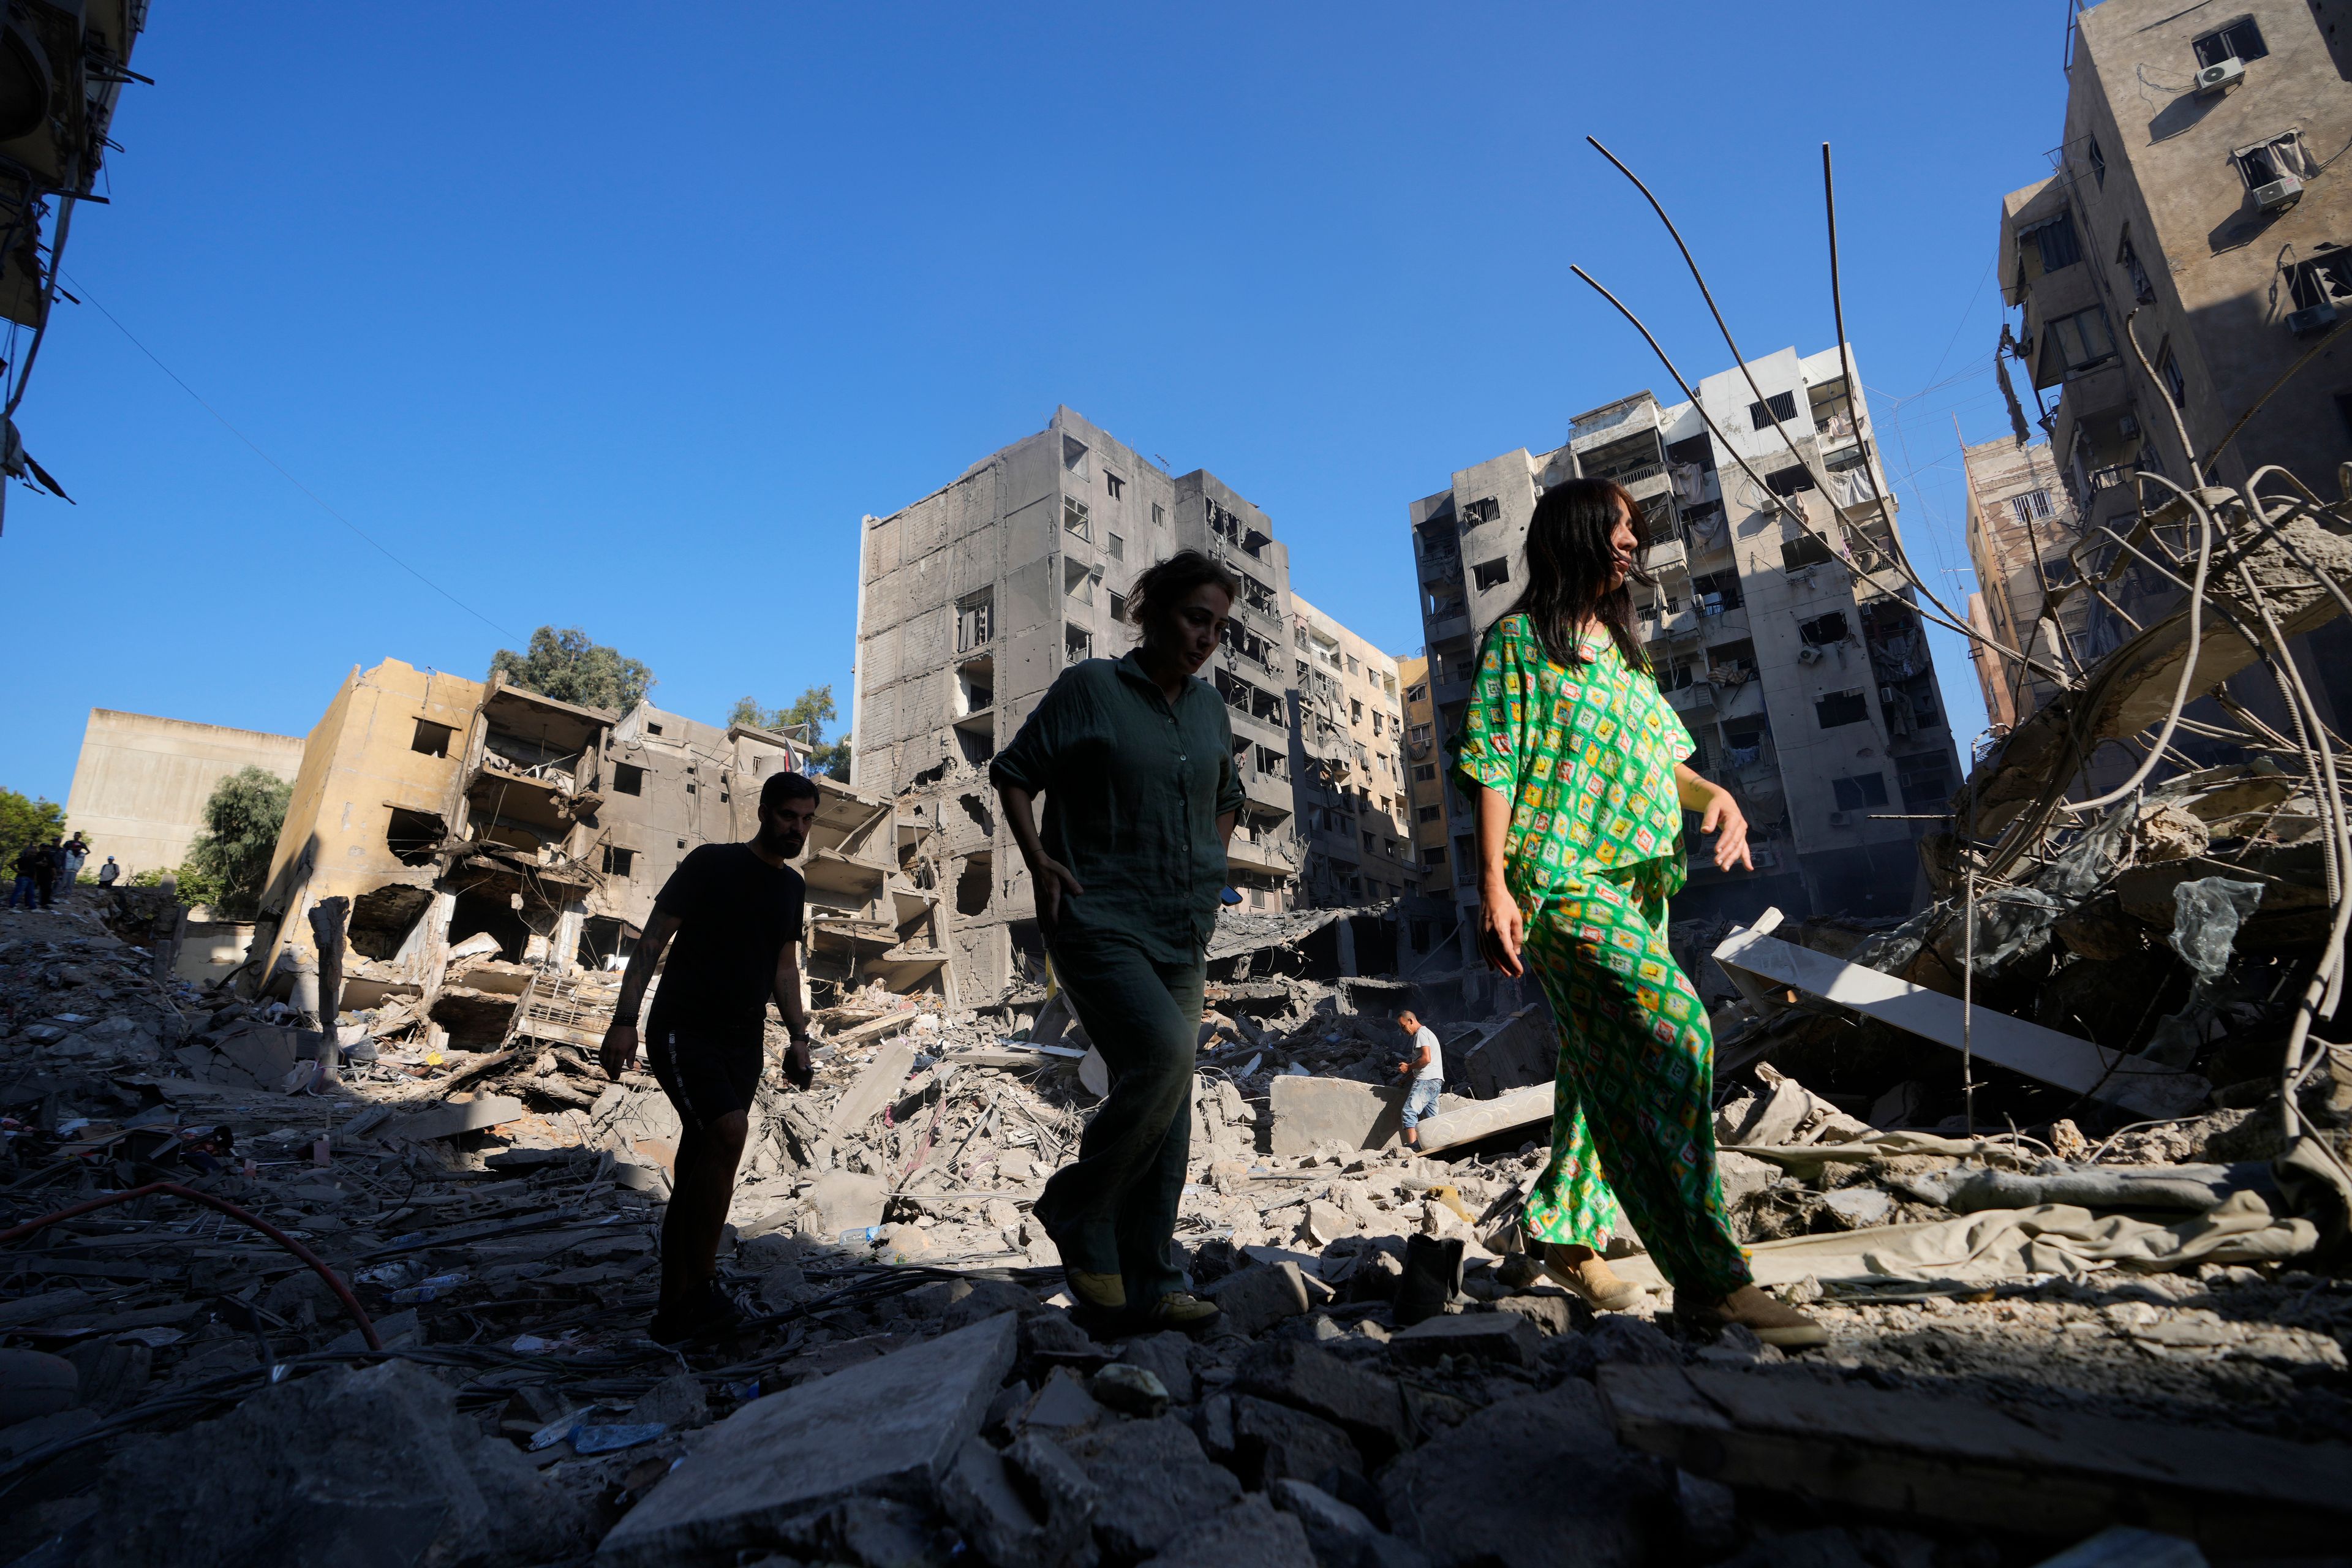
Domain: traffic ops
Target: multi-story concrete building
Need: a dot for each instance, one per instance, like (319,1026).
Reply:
(2194,207)
(1424,790)
(973,599)
(1346,754)
(1807,687)
(446,808)
(142,783)
(2021,525)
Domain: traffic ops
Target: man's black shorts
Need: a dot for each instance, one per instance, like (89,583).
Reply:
(706,1079)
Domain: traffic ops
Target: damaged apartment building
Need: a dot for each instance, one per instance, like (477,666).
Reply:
(1348,759)
(450,810)
(2181,273)
(1808,690)
(972,600)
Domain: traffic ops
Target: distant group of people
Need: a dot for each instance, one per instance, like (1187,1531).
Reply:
(43,869)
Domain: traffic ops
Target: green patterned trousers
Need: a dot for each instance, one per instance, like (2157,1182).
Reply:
(1634,1090)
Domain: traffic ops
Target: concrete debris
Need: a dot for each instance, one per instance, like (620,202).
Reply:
(1393,1383)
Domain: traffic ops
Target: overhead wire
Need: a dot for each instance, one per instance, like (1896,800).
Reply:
(362,534)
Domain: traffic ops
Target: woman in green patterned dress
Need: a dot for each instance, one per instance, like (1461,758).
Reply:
(1574,759)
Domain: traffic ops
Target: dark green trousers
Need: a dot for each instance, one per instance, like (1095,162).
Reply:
(1113,1210)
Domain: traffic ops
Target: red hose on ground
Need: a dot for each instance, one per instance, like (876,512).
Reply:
(334,1281)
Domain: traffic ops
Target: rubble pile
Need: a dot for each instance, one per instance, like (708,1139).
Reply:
(1394,1381)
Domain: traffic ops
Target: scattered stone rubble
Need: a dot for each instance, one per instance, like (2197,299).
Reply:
(175,1387)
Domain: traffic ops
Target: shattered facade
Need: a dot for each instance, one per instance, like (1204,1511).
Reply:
(141,783)
(2021,529)
(2192,209)
(1348,762)
(1424,790)
(971,600)
(1807,686)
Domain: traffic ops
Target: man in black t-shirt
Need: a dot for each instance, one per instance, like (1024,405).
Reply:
(735,911)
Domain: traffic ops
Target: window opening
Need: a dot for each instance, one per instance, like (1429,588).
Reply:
(1115,545)
(1075,518)
(2098,159)
(1112,482)
(1838,707)
(2240,40)
(431,738)
(628,778)
(2143,290)
(1493,574)
(619,862)
(1861,790)
(1823,630)
(2054,242)
(1805,549)
(975,620)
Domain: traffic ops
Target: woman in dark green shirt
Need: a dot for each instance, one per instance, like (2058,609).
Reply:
(1134,757)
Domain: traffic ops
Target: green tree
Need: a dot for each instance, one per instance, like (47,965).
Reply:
(23,822)
(803,719)
(229,861)
(566,666)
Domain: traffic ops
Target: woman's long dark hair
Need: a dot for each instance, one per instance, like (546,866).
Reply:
(1570,564)
(1168,584)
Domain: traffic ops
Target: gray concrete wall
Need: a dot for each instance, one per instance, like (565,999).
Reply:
(141,784)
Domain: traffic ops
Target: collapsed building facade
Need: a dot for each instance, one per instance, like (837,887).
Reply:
(455,813)
(2021,526)
(974,598)
(1348,765)
(1805,682)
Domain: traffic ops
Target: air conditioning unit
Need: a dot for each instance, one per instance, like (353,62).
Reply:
(1809,654)
(2318,318)
(2279,194)
(2222,76)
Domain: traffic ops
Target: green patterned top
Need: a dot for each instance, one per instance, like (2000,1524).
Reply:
(1586,756)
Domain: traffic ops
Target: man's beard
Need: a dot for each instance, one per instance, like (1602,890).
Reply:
(787,845)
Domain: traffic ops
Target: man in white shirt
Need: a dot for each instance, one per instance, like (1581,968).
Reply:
(1424,1071)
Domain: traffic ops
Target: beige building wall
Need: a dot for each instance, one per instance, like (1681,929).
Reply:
(366,759)
(2210,220)
(1348,766)
(142,782)
(1425,765)
(2021,526)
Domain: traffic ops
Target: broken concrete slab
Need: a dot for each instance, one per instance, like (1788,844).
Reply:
(1162,1355)
(1539,1481)
(842,1201)
(1307,1112)
(1341,1536)
(876,1086)
(2133,1083)
(1163,1482)
(264,1054)
(1504,1338)
(1512,1052)
(2056,1473)
(1368,1406)
(1254,1300)
(1029,1506)
(1476,1119)
(374,1466)
(1270,1441)
(447,1120)
(1249,1535)
(888,1427)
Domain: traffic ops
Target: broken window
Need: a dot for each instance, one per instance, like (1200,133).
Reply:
(1781,406)
(1822,630)
(2268,161)
(628,778)
(618,862)
(411,836)
(1073,455)
(1418,693)
(431,738)
(1788,481)
(974,886)
(1077,581)
(1859,791)
(1075,518)
(2143,290)
(1078,642)
(1489,574)
(1486,508)
(1113,483)
(975,620)
(1715,592)
(1838,707)
(2176,386)
(2325,280)
(2072,343)
(1697,449)
(2054,242)
(2240,40)
(1924,780)
(1805,549)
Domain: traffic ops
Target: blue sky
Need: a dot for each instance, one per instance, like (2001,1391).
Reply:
(595,315)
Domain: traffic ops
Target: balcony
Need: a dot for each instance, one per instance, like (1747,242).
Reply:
(1688,699)
(1666,554)
(1262,856)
